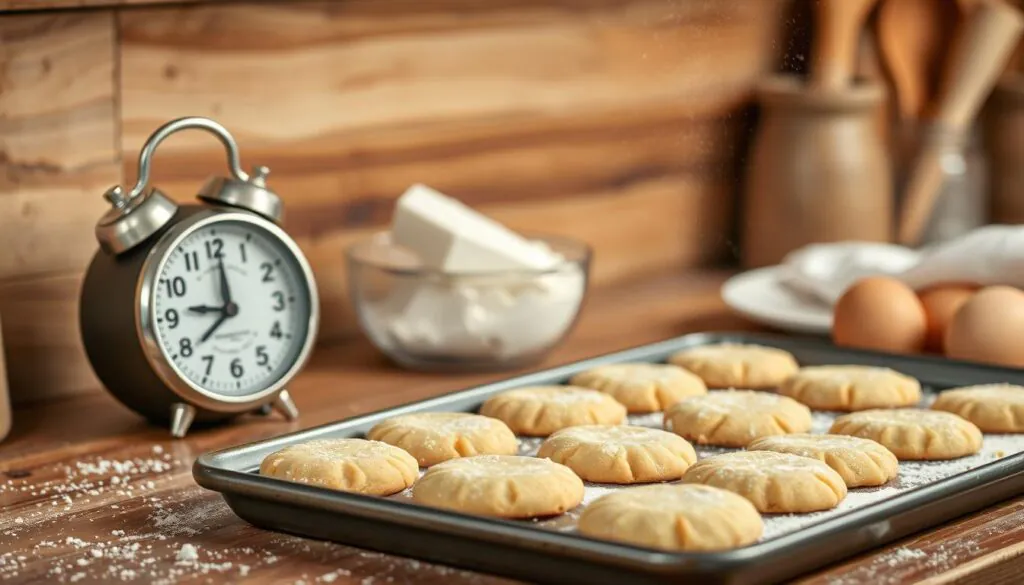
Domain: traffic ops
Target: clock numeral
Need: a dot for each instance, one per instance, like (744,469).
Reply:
(268,271)
(262,358)
(275,331)
(175,286)
(185,347)
(236,368)
(191,261)
(278,301)
(215,249)
(172,318)
(241,249)
(209,363)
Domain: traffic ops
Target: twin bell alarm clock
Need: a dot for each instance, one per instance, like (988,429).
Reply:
(198,312)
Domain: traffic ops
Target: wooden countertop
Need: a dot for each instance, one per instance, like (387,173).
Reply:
(89,493)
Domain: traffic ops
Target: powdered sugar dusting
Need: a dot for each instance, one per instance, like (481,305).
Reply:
(177,535)
(912,474)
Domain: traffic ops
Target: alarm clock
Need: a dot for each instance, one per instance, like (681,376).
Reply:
(200,312)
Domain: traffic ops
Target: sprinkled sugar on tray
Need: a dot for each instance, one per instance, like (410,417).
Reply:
(913,474)
(550,550)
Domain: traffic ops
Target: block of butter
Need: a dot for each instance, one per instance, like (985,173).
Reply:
(450,237)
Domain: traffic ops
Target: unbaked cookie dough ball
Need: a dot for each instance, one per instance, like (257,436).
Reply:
(620,454)
(350,465)
(433,437)
(734,418)
(737,365)
(503,486)
(538,411)
(674,517)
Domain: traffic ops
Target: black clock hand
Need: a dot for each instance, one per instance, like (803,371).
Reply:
(203,309)
(225,290)
(216,325)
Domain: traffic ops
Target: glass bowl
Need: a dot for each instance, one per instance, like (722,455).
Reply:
(424,319)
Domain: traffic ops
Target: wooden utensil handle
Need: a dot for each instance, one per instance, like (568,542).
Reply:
(980,53)
(838,24)
(925,182)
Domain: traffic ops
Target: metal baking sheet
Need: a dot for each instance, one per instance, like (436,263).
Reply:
(550,550)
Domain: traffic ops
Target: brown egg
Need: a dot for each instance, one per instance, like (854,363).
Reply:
(989,328)
(882,314)
(940,304)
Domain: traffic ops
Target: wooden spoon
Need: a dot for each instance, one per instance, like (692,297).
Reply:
(838,24)
(988,38)
(912,37)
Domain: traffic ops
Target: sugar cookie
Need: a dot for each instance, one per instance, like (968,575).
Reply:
(851,388)
(433,437)
(776,483)
(673,517)
(733,418)
(642,387)
(350,465)
(505,486)
(913,433)
(860,462)
(735,365)
(994,408)
(538,411)
(619,454)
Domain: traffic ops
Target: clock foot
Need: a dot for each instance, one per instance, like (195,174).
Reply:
(182,416)
(286,406)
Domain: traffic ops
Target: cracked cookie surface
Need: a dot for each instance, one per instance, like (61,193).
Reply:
(913,433)
(737,365)
(851,388)
(350,465)
(502,486)
(538,411)
(734,418)
(776,483)
(642,387)
(433,437)
(994,408)
(620,454)
(860,462)
(674,517)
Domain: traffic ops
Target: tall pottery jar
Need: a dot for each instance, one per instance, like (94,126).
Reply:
(820,171)
(1004,136)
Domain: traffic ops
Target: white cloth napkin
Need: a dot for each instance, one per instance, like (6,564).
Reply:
(990,255)
(825,271)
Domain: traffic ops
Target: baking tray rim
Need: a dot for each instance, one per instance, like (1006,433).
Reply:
(210,473)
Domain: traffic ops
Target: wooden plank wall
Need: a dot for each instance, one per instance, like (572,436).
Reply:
(617,121)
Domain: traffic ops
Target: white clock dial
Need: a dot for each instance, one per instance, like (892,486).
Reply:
(231,308)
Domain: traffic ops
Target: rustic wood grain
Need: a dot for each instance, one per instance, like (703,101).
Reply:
(621,122)
(551,115)
(59,150)
(58,138)
(45,358)
(43,5)
(155,506)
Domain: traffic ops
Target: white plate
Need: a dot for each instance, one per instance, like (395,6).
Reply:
(760,296)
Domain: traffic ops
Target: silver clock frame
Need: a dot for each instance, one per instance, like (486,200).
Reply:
(175,380)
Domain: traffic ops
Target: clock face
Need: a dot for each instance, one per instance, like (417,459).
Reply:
(230,308)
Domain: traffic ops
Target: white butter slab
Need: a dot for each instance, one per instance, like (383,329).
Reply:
(448,236)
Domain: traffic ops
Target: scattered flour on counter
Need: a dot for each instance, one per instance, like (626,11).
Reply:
(187,554)
(911,475)
(169,539)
